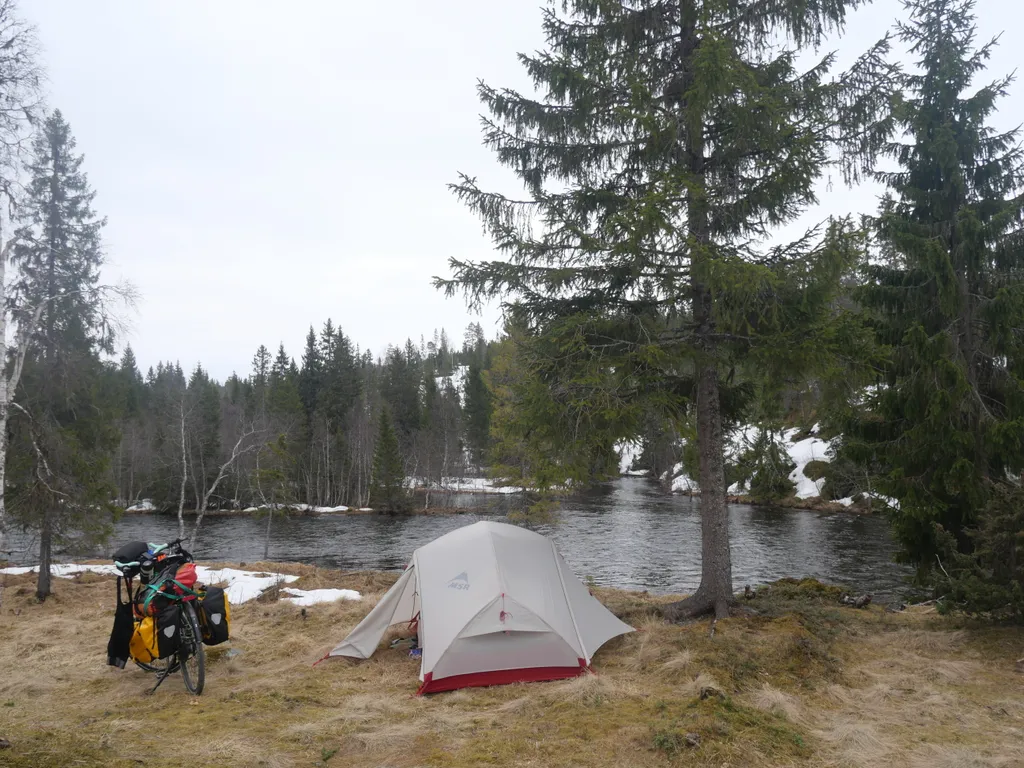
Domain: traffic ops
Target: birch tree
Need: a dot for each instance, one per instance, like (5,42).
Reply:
(20,104)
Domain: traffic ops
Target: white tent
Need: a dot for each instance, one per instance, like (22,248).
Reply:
(494,604)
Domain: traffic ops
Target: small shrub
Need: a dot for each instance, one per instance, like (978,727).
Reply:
(816,470)
(668,742)
(990,580)
(326,754)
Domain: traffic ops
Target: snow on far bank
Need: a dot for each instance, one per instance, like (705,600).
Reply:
(628,452)
(463,485)
(240,586)
(457,381)
(146,505)
(316,510)
(682,482)
(802,454)
(307,597)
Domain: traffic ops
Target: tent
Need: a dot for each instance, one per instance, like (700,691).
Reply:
(493,603)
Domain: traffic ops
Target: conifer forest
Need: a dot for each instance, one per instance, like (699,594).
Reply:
(670,304)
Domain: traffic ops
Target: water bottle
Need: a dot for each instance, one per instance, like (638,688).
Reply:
(146,567)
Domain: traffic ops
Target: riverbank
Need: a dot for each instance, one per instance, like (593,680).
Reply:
(814,504)
(302,510)
(794,679)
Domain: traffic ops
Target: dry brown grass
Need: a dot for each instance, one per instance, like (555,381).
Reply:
(800,680)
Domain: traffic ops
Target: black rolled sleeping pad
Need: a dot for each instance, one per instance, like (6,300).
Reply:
(130,552)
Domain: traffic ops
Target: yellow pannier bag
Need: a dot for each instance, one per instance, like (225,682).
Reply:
(143,645)
(156,637)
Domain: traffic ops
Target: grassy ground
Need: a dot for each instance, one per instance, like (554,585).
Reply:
(801,682)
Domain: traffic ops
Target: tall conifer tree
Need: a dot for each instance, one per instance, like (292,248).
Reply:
(65,431)
(948,295)
(387,490)
(669,138)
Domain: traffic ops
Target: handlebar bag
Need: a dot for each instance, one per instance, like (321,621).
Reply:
(214,616)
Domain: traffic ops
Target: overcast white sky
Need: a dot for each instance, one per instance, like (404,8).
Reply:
(265,166)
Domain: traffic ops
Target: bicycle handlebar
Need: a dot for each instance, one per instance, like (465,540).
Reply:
(155,549)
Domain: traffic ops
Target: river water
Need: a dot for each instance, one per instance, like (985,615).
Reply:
(626,534)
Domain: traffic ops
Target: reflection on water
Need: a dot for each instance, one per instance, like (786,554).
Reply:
(626,534)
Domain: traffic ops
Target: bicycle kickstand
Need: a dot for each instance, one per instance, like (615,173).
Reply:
(160,679)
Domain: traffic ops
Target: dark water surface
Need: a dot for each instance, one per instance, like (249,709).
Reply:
(627,534)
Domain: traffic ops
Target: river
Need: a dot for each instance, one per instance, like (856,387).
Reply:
(626,534)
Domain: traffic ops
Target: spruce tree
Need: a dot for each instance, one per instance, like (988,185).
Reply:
(947,295)
(342,383)
(478,408)
(311,374)
(669,138)
(402,379)
(65,429)
(204,428)
(261,365)
(131,383)
(387,489)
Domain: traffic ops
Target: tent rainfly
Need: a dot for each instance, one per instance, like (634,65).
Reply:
(493,604)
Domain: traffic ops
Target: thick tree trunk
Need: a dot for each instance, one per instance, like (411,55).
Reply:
(715,590)
(45,556)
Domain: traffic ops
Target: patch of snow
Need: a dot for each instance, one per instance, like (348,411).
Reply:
(306,597)
(685,484)
(146,505)
(457,381)
(251,509)
(240,586)
(790,433)
(885,500)
(629,451)
(802,453)
(366,509)
(847,502)
(463,485)
(328,510)
(681,482)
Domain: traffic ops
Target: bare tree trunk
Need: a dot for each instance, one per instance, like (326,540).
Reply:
(236,452)
(45,556)
(184,478)
(266,541)
(9,384)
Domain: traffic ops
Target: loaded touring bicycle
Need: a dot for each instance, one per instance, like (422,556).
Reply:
(165,618)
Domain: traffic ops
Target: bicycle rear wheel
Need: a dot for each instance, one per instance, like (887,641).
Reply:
(192,654)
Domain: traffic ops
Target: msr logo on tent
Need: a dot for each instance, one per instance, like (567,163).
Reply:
(459,582)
